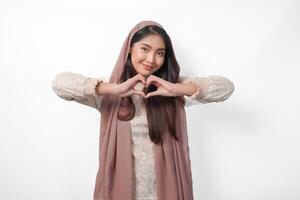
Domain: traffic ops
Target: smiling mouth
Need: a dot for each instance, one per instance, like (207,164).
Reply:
(147,67)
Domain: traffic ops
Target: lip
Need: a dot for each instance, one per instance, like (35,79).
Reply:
(147,67)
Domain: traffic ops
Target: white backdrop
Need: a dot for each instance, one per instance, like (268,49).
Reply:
(244,148)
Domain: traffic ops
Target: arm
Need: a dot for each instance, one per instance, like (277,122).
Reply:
(76,87)
(208,89)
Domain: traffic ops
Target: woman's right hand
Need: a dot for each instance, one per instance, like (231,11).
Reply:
(127,88)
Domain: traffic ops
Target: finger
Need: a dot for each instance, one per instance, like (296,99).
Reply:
(140,78)
(139,86)
(153,79)
(131,92)
(149,81)
(155,83)
(134,82)
(150,94)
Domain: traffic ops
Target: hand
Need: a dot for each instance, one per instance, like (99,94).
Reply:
(127,88)
(164,88)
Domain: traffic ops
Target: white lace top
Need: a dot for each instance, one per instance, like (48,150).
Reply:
(142,151)
(76,87)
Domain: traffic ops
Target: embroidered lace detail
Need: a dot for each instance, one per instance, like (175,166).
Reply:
(213,88)
(142,150)
(77,87)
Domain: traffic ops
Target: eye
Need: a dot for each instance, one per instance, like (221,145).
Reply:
(143,48)
(161,53)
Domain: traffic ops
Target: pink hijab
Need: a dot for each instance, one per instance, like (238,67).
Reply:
(114,179)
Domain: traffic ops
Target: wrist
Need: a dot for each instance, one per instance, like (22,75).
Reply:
(104,88)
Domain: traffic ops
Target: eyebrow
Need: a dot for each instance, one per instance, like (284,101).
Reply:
(151,47)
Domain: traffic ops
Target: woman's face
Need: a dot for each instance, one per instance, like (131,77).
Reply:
(148,54)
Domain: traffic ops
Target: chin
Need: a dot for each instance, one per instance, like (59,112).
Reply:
(145,73)
(142,71)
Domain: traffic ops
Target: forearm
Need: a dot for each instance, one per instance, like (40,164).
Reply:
(213,88)
(105,88)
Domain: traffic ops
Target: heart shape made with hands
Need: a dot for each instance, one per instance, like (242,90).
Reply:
(163,87)
(141,87)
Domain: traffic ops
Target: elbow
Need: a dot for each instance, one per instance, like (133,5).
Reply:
(56,83)
(57,87)
(229,89)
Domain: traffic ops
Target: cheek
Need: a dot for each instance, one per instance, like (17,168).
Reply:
(137,56)
(160,61)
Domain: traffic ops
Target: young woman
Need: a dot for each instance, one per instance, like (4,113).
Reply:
(143,147)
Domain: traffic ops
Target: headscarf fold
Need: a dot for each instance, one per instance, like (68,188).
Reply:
(115,174)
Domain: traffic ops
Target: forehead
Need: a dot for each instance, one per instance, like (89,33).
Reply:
(154,41)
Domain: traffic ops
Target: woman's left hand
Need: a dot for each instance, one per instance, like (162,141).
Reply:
(164,88)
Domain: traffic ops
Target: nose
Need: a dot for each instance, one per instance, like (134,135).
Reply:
(150,58)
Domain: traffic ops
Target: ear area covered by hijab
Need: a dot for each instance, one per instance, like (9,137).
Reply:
(115,174)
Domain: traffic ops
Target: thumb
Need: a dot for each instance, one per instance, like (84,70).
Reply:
(155,93)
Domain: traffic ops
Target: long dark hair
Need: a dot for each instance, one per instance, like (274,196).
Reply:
(161,110)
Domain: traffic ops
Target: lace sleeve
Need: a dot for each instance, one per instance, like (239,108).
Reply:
(214,88)
(76,87)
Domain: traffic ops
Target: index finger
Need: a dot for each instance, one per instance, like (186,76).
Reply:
(139,77)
